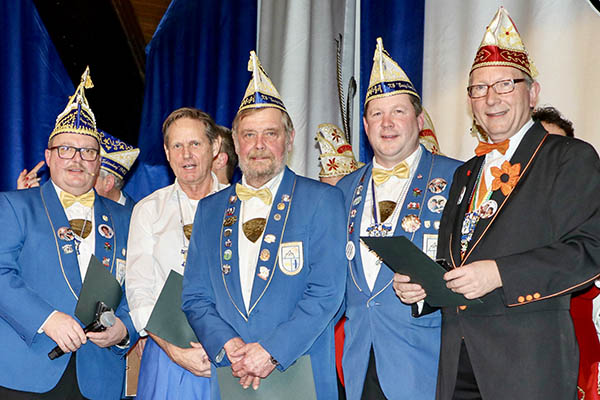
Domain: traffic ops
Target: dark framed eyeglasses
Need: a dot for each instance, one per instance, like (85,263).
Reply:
(68,152)
(501,87)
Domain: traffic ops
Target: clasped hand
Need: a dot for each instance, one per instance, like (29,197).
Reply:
(249,361)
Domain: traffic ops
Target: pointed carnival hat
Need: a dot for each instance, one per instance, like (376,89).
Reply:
(261,92)
(387,78)
(427,135)
(337,158)
(117,156)
(77,117)
(502,46)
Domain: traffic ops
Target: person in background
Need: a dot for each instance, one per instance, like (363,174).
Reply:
(226,161)
(51,233)
(266,271)
(523,261)
(161,225)
(553,121)
(117,158)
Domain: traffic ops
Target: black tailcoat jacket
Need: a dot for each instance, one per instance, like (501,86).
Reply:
(545,239)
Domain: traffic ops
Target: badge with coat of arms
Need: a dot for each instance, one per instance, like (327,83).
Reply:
(291,258)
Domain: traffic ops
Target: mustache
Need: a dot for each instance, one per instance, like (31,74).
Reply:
(260,154)
(80,166)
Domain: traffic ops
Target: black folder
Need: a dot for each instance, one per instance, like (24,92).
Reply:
(167,320)
(295,383)
(403,257)
(99,285)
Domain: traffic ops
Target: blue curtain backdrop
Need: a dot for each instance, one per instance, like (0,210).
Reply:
(401,26)
(34,86)
(197,58)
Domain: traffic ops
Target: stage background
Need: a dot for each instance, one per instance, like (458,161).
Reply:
(198,57)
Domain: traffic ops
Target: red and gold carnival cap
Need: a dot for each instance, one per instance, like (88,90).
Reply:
(502,46)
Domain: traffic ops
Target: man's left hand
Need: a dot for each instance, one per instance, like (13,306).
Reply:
(474,280)
(111,336)
(256,361)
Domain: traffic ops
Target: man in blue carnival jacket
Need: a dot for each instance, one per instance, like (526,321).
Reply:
(50,233)
(391,351)
(266,269)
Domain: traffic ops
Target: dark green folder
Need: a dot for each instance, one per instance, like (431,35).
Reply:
(295,383)
(167,320)
(403,257)
(99,285)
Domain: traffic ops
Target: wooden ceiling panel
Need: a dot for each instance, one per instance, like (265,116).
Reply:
(149,13)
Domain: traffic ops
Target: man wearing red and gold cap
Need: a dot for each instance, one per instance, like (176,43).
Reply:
(523,232)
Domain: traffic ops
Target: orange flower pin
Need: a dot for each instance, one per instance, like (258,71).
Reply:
(505,178)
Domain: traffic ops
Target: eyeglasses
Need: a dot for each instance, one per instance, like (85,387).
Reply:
(501,87)
(68,152)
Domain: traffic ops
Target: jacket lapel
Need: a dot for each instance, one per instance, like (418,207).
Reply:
(106,234)
(66,251)
(355,211)
(228,251)
(268,256)
(467,183)
(524,154)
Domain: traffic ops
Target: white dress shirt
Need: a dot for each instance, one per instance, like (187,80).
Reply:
(156,245)
(394,189)
(86,246)
(248,250)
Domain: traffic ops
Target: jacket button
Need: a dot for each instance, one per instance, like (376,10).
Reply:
(529,297)
(536,295)
(462,308)
(520,299)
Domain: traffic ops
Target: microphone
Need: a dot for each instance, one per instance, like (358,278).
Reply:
(106,319)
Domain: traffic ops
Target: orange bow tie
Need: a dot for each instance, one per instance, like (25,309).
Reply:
(483,148)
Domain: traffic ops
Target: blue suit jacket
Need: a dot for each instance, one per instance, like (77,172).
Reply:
(292,310)
(39,274)
(406,348)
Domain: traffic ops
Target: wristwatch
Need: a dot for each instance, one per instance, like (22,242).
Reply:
(124,342)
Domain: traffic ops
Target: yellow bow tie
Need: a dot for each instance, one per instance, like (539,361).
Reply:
(382,175)
(245,193)
(67,199)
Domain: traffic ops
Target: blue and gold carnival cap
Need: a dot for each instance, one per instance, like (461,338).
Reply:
(261,92)
(387,78)
(117,156)
(77,117)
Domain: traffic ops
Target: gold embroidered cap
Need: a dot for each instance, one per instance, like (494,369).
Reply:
(261,92)
(77,117)
(502,46)
(117,156)
(337,158)
(387,78)
(427,135)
